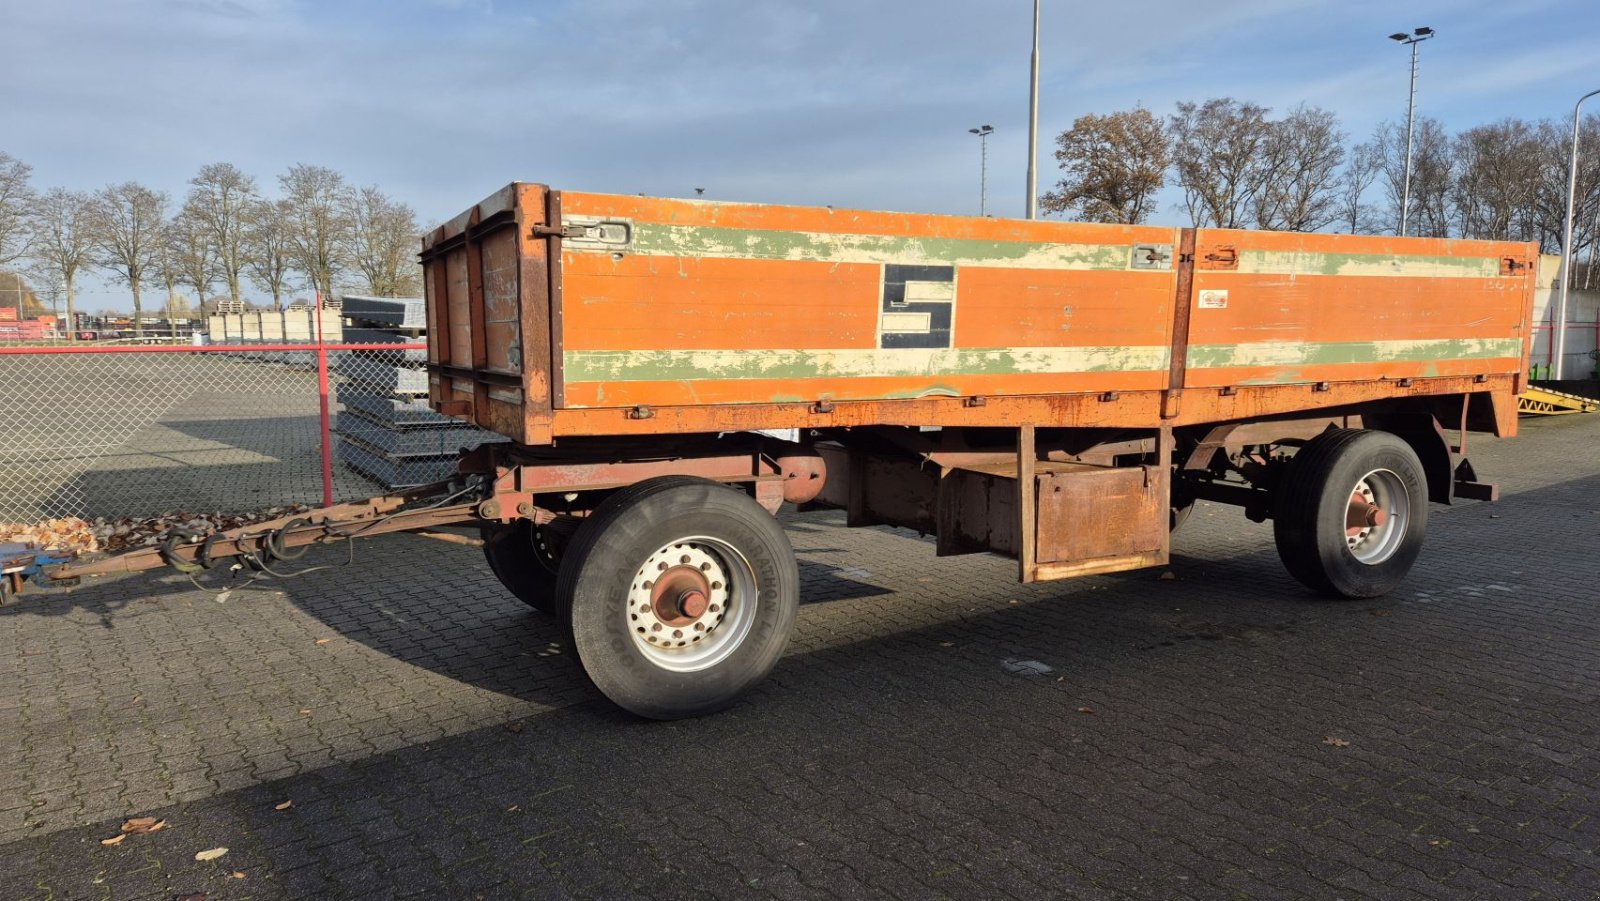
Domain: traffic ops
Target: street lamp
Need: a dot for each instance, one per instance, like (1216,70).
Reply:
(1560,349)
(1032,206)
(983,132)
(1414,38)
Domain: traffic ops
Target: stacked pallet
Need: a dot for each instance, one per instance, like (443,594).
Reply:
(387,432)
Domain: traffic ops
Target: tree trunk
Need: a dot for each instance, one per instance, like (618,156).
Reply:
(72,318)
(138,311)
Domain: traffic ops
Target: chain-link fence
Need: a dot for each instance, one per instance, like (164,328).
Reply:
(95,431)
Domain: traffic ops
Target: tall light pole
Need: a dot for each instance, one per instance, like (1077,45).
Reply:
(983,132)
(1414,38)
(1032,206)
(1560,349)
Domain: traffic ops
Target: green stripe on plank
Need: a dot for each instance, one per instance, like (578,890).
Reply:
(721,365)
(1298,262)
(1313,353)
(654,239)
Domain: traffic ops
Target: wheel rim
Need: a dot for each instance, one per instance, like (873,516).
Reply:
(1377,516)
(691,604)
(543,552)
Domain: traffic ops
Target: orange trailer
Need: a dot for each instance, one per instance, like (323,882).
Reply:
(1061,393)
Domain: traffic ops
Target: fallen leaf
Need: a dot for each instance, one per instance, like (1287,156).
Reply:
(141,825)
(238,874)
(1169,576)
(513,727)
(323,640)
(114,840)
(1336,741)
(513,808)
(1380,613)
(1086,710)
(284,806)
(210,854)
(305,711)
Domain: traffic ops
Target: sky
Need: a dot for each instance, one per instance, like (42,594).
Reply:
(853,103)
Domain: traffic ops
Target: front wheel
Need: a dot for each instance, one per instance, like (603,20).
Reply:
(681,594)
(1350,513)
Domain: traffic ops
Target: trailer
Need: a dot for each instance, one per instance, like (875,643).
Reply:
(1058,393)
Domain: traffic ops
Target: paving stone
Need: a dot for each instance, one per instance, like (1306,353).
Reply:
(892,754)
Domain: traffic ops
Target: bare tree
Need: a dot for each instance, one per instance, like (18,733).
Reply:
(1361,169)
(1499,171)
(317,222)
(382,243)
(1114,166)
(221,203)
(1218,151)
(62,223)
(1302,153)
(1432,175)
(129,237)
(191,256)
(268,256)
(16,199)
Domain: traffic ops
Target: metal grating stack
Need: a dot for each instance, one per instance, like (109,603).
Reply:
(386,430)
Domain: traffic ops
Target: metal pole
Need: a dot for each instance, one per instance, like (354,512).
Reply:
(322,411)
(1411,109)
(1032,206)
(983,175)
(1559,349)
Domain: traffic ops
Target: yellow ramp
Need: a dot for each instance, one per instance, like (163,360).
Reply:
(1545,401)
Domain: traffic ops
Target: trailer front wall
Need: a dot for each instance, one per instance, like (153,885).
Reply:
(720,303)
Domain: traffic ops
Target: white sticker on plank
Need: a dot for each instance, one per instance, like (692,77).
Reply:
(1214,300)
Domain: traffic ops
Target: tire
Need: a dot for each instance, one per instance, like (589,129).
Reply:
(522,564)
(629,579)
(1315,505)
(1179,514)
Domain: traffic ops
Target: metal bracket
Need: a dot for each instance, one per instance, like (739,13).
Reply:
(641,412)
(822,406)
(1151,256)
(589,232)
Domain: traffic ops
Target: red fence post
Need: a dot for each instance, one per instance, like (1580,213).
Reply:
(327,431)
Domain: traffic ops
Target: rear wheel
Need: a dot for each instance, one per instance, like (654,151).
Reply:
(681,594)
(1350,513)
(522,557)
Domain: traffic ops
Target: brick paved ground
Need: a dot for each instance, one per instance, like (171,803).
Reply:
(437,746)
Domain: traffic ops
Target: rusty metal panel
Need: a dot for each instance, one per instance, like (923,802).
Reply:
(458,312)
(1088,512)
(978,511)
(502,301)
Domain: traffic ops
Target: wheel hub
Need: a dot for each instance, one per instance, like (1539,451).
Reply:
(678,598)
(1376,517)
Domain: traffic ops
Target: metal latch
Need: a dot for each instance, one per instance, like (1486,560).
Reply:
(1151,256)
(1512,265)
(1222,258)
(610,234)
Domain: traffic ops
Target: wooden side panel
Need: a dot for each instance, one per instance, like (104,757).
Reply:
(715,303)
(1274,308)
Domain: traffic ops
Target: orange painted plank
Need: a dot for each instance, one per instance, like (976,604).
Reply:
(1062,308)
(681,303)
(824,220)
(760,391)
